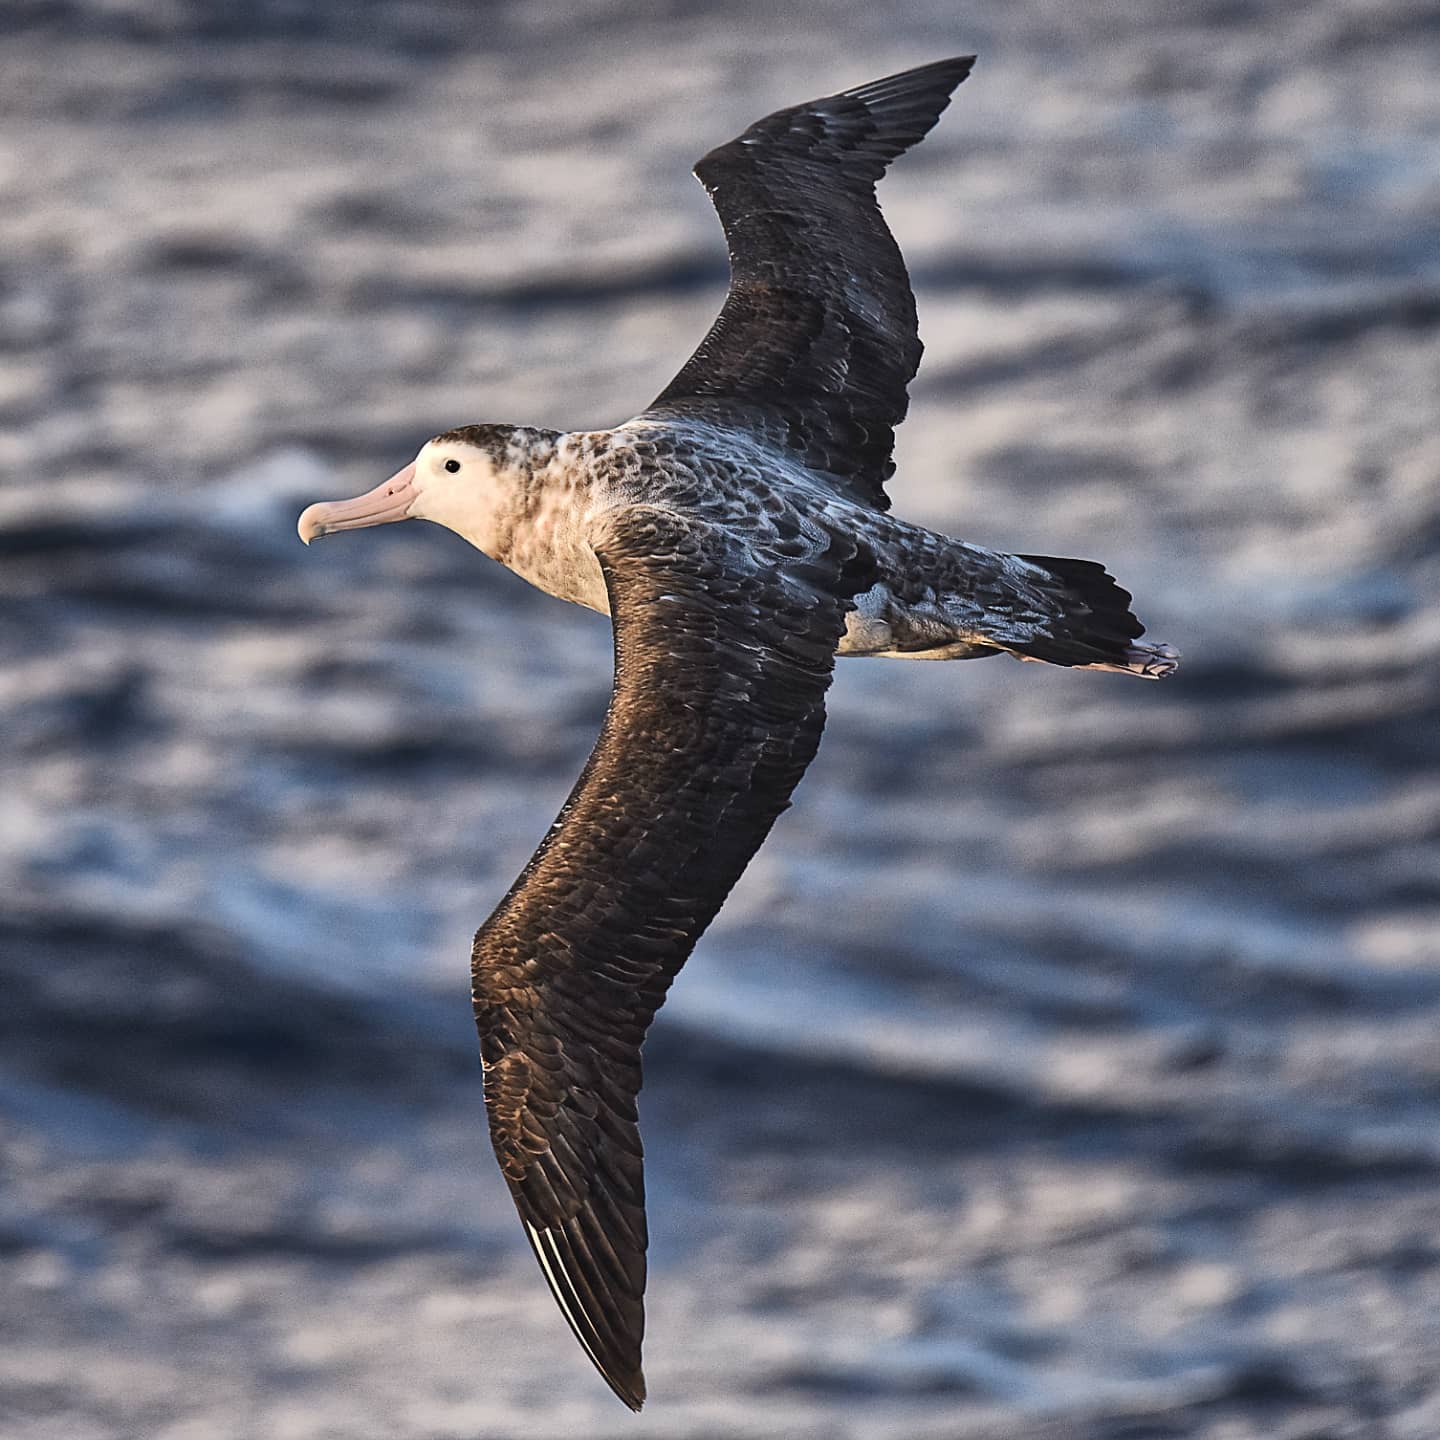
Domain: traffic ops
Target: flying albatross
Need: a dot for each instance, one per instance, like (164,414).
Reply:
(737,534)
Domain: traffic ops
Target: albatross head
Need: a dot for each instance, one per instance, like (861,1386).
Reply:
(460,480)
(450,481)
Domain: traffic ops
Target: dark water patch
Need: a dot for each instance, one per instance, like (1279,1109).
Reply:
(1371,601)
(883,764)
(986,966)
(828,1109)
(1222,967)
(180,574)
(1322,322)
(197,257)
(179,1022)
(92,712)
(88,1124)
(206,87)
(1025,276)
(1042,467)
(669,275)
(1402,743)
(812,1103)
(413,28)
(59,538)
(1062,354)
(1247,873)
(1358,719)
(198,253)
(1095,1427)
(392,214)
(295,1239)
(1335,885)
(174,596)
(355,445)
(434,751)
(1382,27)
(836,1382)
(1294,1160)
(327,760)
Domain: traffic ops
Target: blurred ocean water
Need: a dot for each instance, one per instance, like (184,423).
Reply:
(1066,1063)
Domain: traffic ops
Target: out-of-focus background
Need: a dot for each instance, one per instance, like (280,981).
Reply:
(1066,1065)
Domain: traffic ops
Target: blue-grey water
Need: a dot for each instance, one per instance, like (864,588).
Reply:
(1066,1065)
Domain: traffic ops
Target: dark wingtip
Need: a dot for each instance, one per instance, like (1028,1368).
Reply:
(951,71)
(630,1388)
(961,66)
(594,1311)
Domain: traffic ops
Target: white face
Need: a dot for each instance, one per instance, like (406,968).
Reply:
(456,486)
(449,482)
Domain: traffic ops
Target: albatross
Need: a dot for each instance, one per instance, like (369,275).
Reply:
(738,534)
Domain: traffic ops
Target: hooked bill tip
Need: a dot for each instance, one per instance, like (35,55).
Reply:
(310,523)
(389,501)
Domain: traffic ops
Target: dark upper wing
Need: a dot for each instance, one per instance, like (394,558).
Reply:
(817,339)
(721,667)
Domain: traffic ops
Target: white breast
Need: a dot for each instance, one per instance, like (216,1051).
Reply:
(547,541)
(552,551)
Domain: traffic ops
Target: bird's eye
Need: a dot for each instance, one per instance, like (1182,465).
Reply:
(452,466)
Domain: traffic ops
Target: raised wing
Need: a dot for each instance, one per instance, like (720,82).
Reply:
(817,340)
(721,666)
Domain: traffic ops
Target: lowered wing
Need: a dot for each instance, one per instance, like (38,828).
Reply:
(721,667)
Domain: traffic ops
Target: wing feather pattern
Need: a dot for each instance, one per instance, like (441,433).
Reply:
(817,341)
(721,667)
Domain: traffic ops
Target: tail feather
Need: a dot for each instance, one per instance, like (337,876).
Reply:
(1094,627)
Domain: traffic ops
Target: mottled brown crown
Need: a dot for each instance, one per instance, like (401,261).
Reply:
(499,440)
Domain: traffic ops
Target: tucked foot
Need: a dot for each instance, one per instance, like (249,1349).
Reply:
(1149,662)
